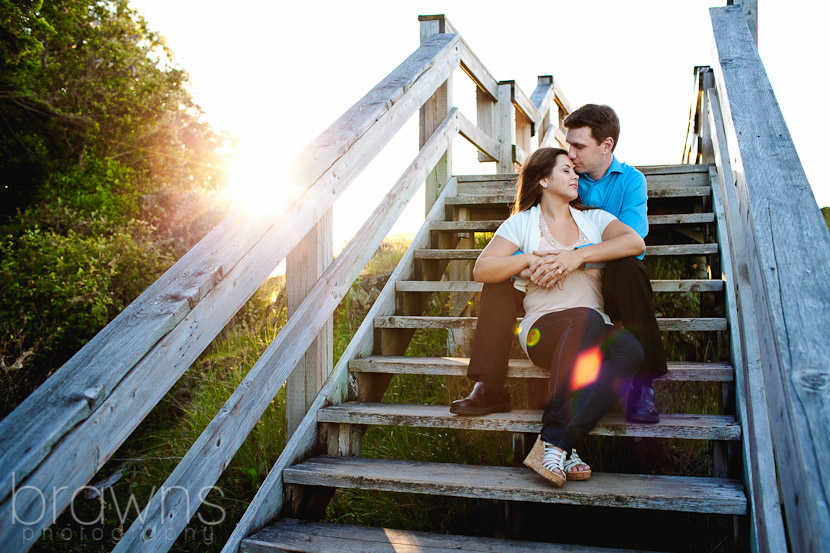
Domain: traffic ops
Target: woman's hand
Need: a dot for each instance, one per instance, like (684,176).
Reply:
(550,269)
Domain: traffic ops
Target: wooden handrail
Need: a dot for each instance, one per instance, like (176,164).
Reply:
(766,522)
(787,246)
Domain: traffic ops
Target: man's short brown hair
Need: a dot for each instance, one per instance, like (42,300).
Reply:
(601,119)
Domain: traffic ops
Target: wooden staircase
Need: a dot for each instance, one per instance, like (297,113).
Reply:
(678,197)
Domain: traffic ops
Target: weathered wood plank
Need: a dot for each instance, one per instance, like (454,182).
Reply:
(430,117)
(787,247)
(521,101)
(324,537)
(268,501)
(677,249)
(492,225)
(766,520)
(28,438)
(303,266)
(519,155)
(703,285)
(672,493)
(216,446)
(671,425)
(681,219)
(684,371)
(478,138)
(505,129)
(665,323)
(648,170)
(560,98)
(509,198)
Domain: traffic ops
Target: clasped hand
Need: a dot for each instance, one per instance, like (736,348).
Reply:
(550,269)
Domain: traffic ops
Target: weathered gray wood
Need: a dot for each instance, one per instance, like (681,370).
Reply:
(671,425)
(649,170)
(787,247)
(673,493)
(469,286)
(303,266)
(216,446)
(469,61)
(750,11)
(681,219)
(519,154)
(268,501)
(492,225)
(523,368)
(480,139)
(323,537)
(666,323)
(505,128)
(431,115)
(521,101)
(331,165)
(542,97)
(524,132)
(767,526)
(485,118)
(678,249)
(509,198)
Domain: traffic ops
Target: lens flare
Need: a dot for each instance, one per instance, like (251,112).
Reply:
(533,337)
(586,368)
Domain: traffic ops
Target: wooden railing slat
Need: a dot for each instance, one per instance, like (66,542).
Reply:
(480,139)
(787,246)
(218,443)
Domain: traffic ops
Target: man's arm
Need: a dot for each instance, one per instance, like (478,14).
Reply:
(634,204)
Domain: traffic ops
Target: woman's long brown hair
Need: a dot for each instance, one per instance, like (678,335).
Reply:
(539,165)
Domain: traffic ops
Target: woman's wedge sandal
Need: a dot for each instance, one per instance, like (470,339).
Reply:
(570,468)
(546,459)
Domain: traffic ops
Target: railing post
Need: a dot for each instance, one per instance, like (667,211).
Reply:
(750,9)
(505,127)
(553,109)
(303,267)
(432,114)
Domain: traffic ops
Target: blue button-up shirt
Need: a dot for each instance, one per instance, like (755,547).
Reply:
(621,192)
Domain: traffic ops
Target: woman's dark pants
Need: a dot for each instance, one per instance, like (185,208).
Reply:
(626,289)
(591,365)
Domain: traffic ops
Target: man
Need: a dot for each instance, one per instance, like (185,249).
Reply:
(604,182)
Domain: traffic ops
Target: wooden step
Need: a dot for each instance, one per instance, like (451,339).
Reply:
(666,323)
(325,537)
(656,177)
(675,249)
(679,371)
(636,491)
(509,197)
(492,225)
(691,285)
(671,425)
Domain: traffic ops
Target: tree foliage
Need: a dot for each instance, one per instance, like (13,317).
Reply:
(106,175)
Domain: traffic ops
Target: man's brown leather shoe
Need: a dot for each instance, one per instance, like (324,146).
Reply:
(482,401)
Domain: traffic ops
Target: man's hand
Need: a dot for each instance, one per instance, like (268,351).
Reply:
(549,270)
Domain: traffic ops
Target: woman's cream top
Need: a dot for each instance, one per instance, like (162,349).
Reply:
(581,288)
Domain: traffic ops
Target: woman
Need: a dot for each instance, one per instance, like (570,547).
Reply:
(565,328)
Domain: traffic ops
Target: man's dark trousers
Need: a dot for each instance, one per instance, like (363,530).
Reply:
(627,292)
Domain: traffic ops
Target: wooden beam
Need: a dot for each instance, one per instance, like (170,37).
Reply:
(787,247)
(431,115)
(521,101)
(480,139)
(303,267)
(766,522)
(505,128)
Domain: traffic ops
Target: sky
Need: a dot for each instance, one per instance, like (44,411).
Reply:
(276,75)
